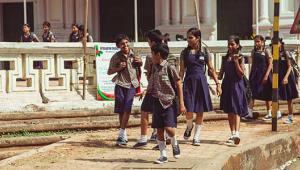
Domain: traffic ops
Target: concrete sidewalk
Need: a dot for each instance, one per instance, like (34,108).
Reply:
(97,150)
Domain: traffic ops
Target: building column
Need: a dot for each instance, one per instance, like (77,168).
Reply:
(165,15)
(263,10)
(205,11)
(175,12)
(96,20)
(90,17)
(79,14)
(70,17)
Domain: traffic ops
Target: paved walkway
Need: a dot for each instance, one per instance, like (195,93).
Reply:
(96,150)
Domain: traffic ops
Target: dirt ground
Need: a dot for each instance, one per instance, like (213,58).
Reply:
(97,150)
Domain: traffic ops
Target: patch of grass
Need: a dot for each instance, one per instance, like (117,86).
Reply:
(25,133)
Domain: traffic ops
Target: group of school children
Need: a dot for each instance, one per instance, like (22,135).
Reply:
(166,98)
(76,35)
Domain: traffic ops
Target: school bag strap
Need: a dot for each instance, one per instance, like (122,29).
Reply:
(221,73)
(186,51)
(176,100)
(171,79)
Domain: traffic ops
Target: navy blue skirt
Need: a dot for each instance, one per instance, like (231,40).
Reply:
(288,91)
(260,91)
(233,97)
(196,94)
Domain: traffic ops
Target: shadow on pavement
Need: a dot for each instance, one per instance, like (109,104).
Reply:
(127,160)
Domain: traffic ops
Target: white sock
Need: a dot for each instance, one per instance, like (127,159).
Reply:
(197,132)
(237,134)
(162,148)
(189,123)
(270,112)
(232,133)
(122,132)
(250,112)
(173,141)
(278,113)
(143,138)
(166,135)
(290,116)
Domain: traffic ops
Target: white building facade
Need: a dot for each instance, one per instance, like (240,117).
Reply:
(219,18)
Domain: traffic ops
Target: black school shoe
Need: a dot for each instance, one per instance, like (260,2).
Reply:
(187,133)
(140,145)
(121,141)
(176,151)
(161,160)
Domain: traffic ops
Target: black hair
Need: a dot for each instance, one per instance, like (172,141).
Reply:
(75,25)
(81,27)
(236,39)
(282,44)
(166,37)
(27,25)
(46,23)
(161,48)
(261,38)
(121,37)
(197,33)
(155,36)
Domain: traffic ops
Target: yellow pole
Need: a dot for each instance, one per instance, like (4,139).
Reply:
(275,44)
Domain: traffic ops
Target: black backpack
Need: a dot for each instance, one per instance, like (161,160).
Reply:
(173,84)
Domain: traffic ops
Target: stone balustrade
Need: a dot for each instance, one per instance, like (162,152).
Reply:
(24,67)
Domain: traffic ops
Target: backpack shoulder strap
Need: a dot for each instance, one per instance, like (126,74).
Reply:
(171,78)
(183,55)
(205,52)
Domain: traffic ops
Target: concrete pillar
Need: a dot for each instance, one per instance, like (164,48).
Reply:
(165,15)
(176,12)
(95,21)
(263,10)
(79,12)
(205,11)
(69,12)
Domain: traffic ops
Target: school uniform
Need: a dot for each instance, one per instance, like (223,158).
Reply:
(89,38)
(148,99)
(29,38)
(147,103)
(74,37)
(195,86)
(258,70)
(160,87)
(233,97)
(48,37)
(126,82)
(288,91)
